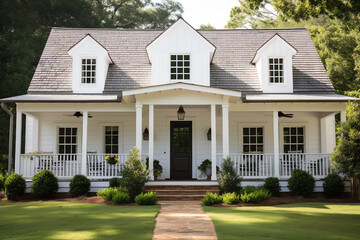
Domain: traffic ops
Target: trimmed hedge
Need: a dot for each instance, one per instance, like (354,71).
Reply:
(211,199)
(301,183)
(14,186)
(260,194)
(44,185)
(149,198)
(333,185)
(272,184)
(109,193)
(121,197)
(79,185)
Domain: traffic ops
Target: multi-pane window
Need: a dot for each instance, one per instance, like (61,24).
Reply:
(88,71)
(67,140)
(180,67)
(276,70)
(294,139)
(253,140)
(112,139)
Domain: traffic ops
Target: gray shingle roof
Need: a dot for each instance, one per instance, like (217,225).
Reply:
(231,67)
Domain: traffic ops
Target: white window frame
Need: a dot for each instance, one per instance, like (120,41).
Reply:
(241,127)
(268,71)
(281,134)
(120,136)
(79,135)
(81,71)
(190,67)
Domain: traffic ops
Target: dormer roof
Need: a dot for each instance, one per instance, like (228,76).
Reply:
(276,38)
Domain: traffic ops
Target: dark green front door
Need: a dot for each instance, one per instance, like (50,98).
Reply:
(180,149)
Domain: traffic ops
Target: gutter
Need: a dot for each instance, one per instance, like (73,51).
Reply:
(11,133)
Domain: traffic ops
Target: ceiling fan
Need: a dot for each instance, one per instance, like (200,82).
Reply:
(289,115)
(78,115)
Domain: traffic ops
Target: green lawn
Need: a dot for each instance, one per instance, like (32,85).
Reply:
(290,221)
(63,220)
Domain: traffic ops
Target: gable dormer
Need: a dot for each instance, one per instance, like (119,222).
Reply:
(180,54)
(90,65)
(273,62)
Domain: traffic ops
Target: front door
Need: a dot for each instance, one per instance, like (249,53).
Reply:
(180,149)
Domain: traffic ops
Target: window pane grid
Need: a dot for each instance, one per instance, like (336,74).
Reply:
(253,140)
(111,139)
(180,67)
(276,70)
(67,140)
(294,139)
(88,70)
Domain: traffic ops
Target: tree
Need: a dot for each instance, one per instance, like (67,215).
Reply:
(206,26)
(346,157)
(306,9)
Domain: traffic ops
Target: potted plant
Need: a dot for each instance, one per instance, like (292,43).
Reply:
(157,168)
(205,169)
(112,159)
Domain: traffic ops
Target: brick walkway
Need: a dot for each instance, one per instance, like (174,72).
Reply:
(183,220)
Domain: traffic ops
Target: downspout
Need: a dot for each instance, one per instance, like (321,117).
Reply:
(11,132)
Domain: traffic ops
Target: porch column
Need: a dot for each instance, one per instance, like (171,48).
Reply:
(213,142)
(151,141)
(276,144)
(225,122)
(139,127)
(342,116)
(18,141)
(84,142)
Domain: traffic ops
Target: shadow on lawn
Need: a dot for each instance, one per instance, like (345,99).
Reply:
(286,222)
(62,220)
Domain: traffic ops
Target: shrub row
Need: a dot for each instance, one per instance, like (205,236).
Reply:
(121,195)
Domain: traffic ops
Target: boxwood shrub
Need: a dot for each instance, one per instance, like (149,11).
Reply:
(116,182)
(2,182)
(211,199)
(14,186)
(121,197)
(149,198)
(44,184)
(109,193)
(333,185)
(272,184)
(79,185)
(230,198)
(301,183)
(258,195)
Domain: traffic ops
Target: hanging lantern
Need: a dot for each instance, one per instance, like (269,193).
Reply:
(146,134)
(181,113)
(209,134)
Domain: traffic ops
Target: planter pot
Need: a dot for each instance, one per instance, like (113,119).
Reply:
(208,173)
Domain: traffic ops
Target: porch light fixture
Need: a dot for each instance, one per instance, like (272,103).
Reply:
(209,135)
(146,134)
(181,113)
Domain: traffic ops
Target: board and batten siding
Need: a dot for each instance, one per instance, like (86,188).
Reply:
(200,116)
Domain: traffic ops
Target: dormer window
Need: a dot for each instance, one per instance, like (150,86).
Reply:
(276,70)
(88,71)
(180,67)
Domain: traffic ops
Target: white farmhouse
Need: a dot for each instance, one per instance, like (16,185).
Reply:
(260,96)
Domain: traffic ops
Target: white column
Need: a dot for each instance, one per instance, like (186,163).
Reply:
(342,116)
(84,142)
(323,134)
(18,141)
(139,127)
(276,144)
(225,127)
(151,141)
(213,142)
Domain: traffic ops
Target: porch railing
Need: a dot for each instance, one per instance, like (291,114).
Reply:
(66,166)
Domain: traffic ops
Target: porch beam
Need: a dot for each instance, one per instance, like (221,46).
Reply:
(225,128)
(276,144)
(18,141)
(139,107)
(151,141)
(84,142)
(213,142)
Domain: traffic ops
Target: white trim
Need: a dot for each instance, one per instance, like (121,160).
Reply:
(242,125)
(180,85)
(102,125)
(190,68)
(282,125)
(67,125)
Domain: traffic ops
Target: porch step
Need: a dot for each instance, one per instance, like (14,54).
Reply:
(181,192)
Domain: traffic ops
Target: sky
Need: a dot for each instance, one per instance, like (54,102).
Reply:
(215,12)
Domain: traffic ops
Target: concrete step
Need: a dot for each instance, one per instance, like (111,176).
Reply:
(181,187)
(180,197)
(182,192)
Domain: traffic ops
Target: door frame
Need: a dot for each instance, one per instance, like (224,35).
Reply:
(191,145)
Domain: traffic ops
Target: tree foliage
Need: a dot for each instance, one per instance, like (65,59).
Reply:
(206,26)
(346,157)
